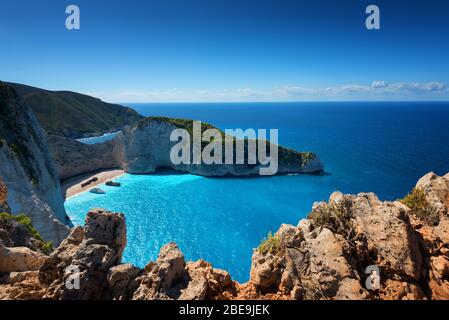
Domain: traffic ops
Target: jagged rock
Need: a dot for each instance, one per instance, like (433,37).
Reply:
(19,259)
(3,197)
(162,275)
(389,235)
(205,282)
(326,255)
(122,281)
(171,278)
(436,190)
(21,286)
(90,252)
(54,267)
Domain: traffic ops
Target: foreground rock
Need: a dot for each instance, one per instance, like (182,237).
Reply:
(327,256)
(89,253)
(330,255)
(170,278)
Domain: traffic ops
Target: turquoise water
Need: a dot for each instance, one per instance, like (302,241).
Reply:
(99,139)
(379,147)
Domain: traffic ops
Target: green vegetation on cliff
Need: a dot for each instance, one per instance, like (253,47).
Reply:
(270,244)
(416,201)
(286,155)
(74,115)
(45,246)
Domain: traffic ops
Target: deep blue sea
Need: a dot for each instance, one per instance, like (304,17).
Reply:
(378,147)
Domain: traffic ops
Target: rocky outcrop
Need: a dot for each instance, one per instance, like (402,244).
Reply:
(329,255)
(27,169)
(435,237)
(19,259)
(3,196)
(88,253)
(146,146)
(351,247)
(170,278)
(74,158)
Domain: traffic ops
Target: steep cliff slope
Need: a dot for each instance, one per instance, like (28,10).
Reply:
(75,115)
(27,169)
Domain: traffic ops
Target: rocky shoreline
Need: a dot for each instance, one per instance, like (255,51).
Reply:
(324,257)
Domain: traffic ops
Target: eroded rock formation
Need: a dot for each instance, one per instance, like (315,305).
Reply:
(145,147)
(27,169)
(74,158)
(326,256)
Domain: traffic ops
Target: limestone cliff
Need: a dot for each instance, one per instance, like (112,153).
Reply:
(27,169)
(74,158)
(327,256)
(146,147)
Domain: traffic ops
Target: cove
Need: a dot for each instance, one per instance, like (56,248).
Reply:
(220,220)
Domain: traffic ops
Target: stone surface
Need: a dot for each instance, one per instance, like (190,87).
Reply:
(122,281)
(3,197)
(18,259)
(90,253)
(27,169)
(74,158)
(327,255)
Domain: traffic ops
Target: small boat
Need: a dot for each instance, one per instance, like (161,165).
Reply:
(85,184)
(97,191)
(113,184)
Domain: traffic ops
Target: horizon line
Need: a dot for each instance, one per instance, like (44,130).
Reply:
(298,101)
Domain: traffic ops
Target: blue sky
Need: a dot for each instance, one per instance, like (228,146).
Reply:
(229,50)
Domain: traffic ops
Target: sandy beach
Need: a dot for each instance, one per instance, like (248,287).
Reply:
(73,186)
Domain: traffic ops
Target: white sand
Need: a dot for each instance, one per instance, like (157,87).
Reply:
(73,186)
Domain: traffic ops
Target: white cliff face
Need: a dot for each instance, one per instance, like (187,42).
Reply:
(27,169)
(74,158)
(145,147)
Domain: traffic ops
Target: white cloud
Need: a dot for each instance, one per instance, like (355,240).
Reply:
(377,90)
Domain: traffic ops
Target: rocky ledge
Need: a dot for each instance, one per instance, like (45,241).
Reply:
(325,257)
